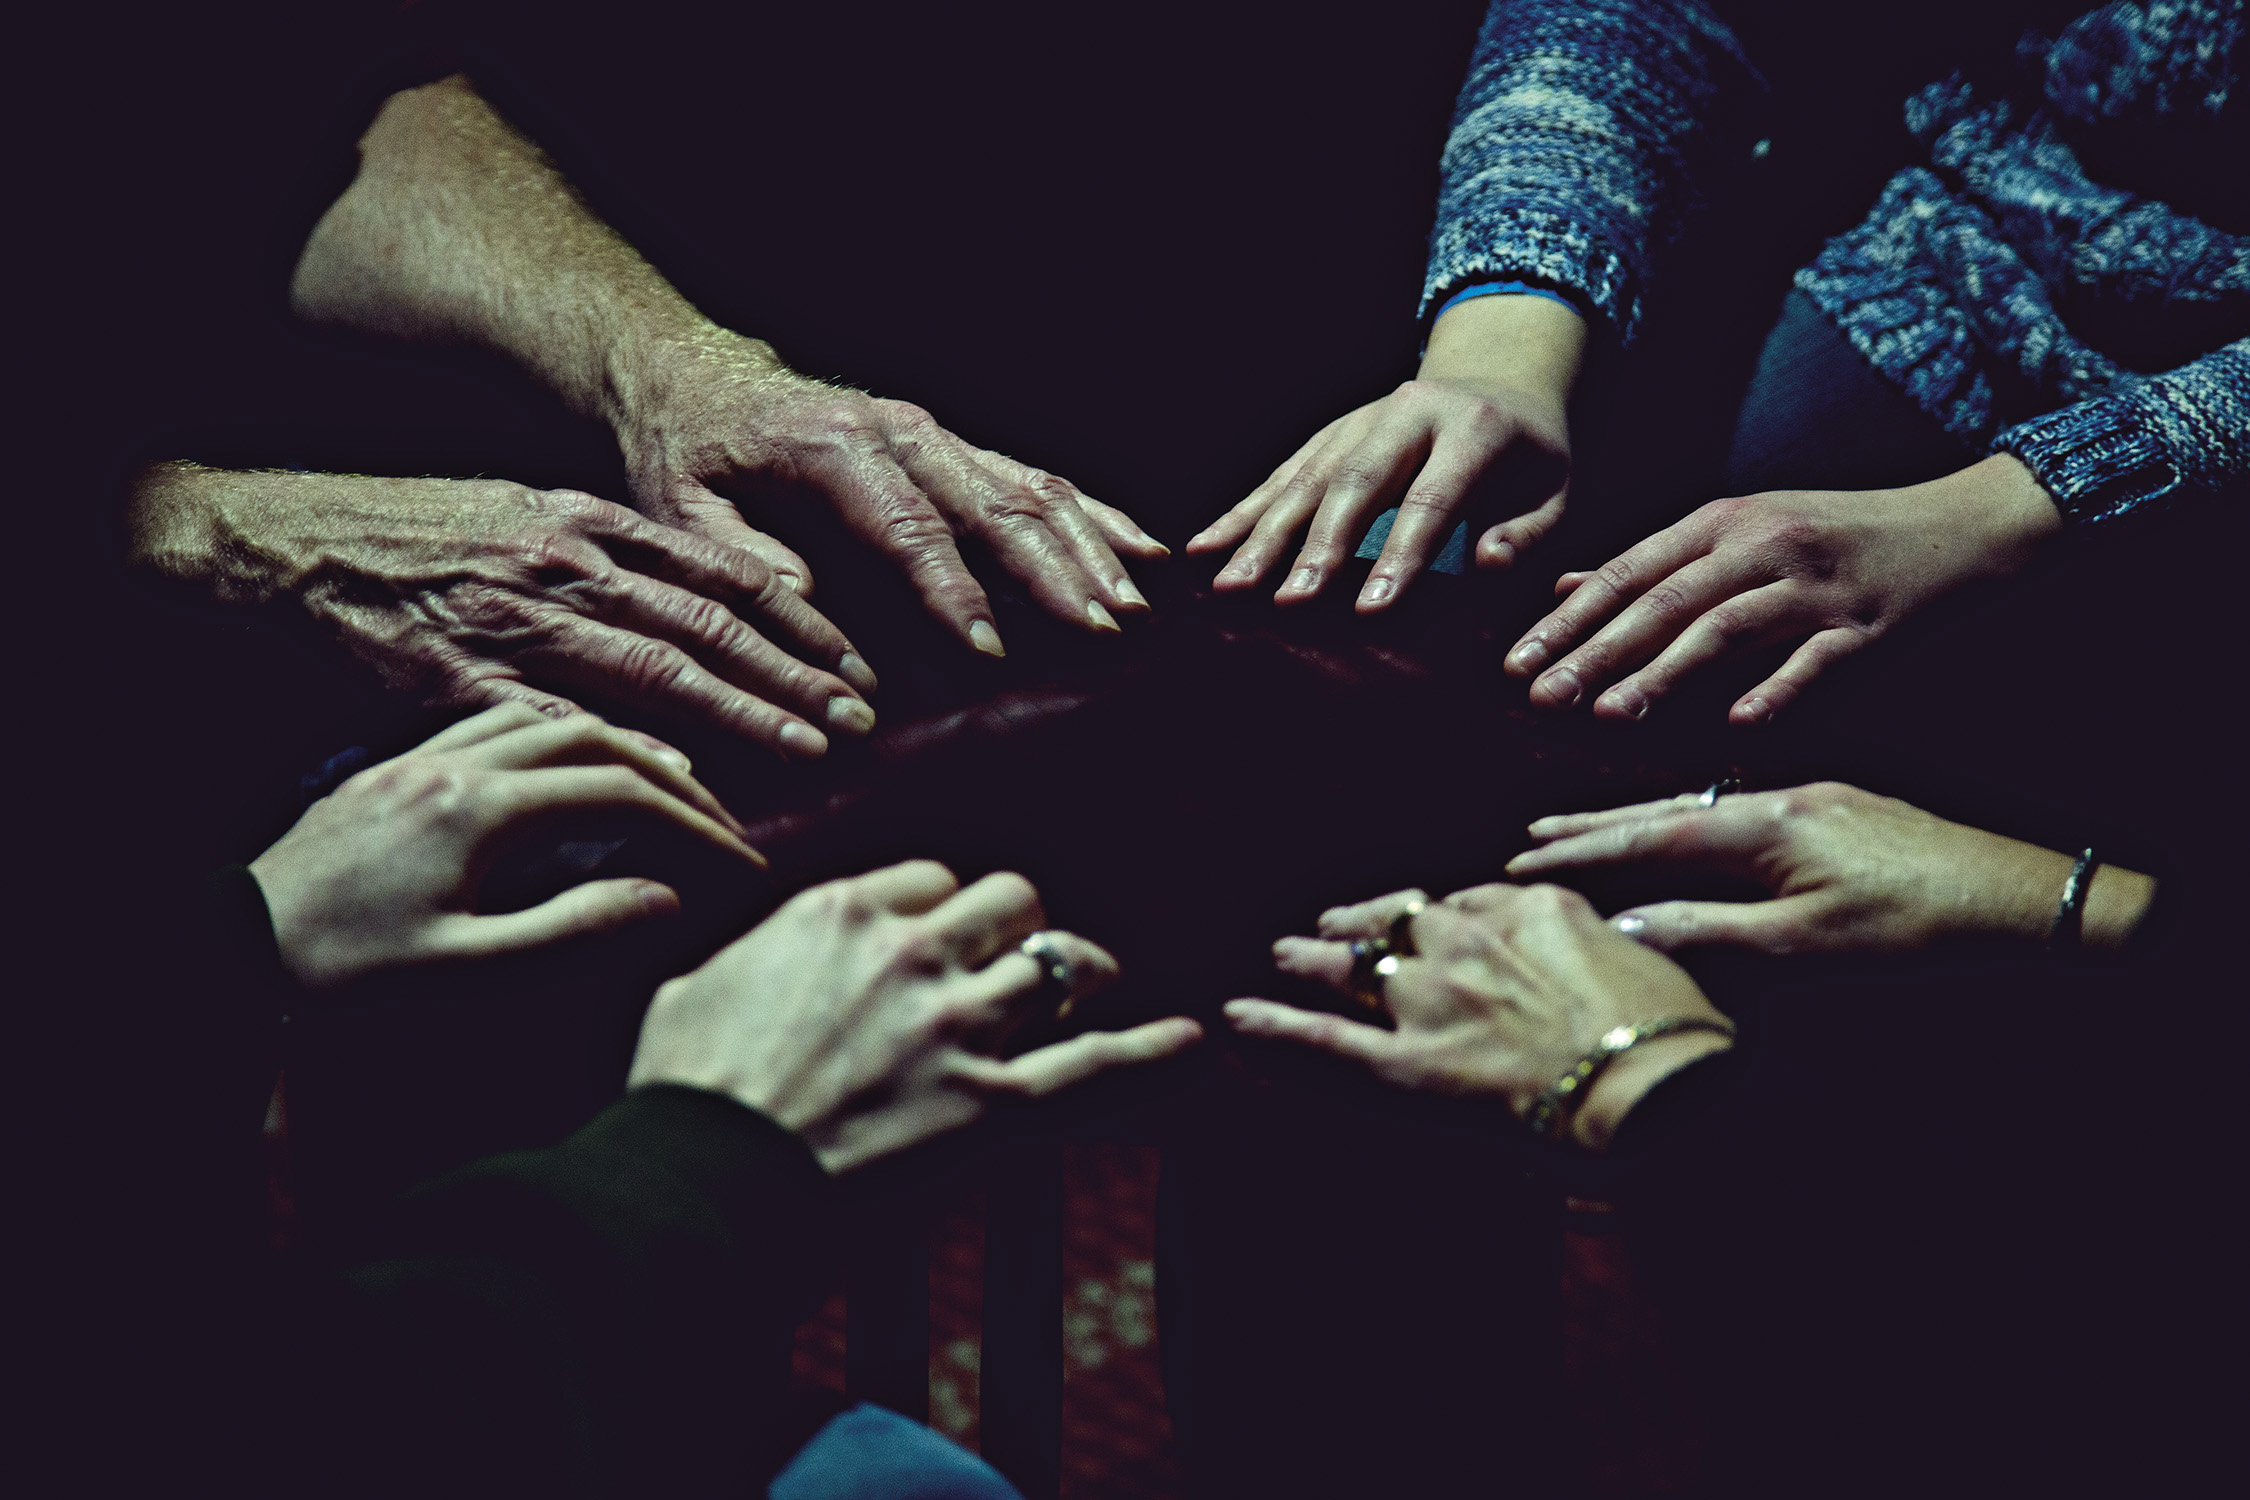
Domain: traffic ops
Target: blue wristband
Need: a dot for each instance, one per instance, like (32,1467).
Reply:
(1499,289)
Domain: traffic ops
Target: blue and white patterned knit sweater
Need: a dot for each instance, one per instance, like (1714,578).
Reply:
(1587,127)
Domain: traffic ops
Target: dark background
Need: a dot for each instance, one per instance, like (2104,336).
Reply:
(1164,340)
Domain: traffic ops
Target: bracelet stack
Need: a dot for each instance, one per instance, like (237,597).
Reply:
(1552,1111)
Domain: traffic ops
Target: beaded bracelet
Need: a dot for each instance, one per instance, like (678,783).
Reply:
(1552,1110)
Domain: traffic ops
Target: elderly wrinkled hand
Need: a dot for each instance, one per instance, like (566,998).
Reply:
(731,418)
(476,592)
(870,1014)
(386,870)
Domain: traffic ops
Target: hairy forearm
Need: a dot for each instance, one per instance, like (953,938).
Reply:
(457,229)
(214,528)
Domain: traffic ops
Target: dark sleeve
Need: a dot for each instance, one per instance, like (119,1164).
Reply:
(606,1316)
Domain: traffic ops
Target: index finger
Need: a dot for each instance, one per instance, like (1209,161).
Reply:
(525,794)
(1614,584)
(1727,828)
(1357,1040)
(1049,1069)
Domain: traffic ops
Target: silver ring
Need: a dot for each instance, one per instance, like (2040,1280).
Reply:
(1056,972)
(1718,789)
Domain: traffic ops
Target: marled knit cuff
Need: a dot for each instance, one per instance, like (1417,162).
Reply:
(1529,245)
(2099,460)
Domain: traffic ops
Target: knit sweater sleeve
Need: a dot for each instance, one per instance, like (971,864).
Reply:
(2130,450)
(1580,143)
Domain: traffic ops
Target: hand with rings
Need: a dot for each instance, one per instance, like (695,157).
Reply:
(1495,992)
(867,1015)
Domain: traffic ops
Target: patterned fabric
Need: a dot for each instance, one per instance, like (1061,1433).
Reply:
(2024,305)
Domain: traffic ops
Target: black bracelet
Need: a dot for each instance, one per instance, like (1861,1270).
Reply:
(2070,916)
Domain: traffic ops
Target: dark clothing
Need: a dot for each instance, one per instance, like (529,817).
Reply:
(604,1316)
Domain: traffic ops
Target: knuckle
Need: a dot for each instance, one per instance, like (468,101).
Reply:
(1617,573)
(653,664)
(1428,499)
(1667,601)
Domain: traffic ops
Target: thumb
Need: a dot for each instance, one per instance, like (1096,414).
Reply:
(596,906)
(1783,926)
(1500,546)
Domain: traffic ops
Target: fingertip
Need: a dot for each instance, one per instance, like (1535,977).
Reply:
(803,741)
(657,899)
(986,639)
(1631,924)
(853,668)
(1495,551)
(1752,710)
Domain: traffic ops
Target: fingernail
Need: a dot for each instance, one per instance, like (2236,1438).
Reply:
(655,899)
(803,739)
(1127,594)
(1563,688)
(1194,541)
(1630,925)
(1377,590)
(1101,617)
(856,672)
(1499,554)
(1235,572)
(790,581)
(1528,655)
(1756,709)
(850,715)
(1303,581)
(986,639)
(674,759)
(1631,705)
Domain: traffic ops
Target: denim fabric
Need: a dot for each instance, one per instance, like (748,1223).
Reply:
(869,1453)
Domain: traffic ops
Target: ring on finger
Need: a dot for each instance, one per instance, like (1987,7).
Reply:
(1718,789)
(1057,974)
(1373,963)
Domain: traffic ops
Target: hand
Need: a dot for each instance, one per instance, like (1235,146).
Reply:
(1849,871)
(475,592)
(1837,567)
(385,870)
(866,1014)
(1510,986)
(1482,426)
(725,412)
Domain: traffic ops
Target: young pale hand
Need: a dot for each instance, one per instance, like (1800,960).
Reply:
(1850,872)
(866,1015)
(1508,987)
(1835,568)
(385,870)
(1482,426)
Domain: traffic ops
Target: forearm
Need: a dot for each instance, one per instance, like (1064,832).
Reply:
(2021,890)
(457,229)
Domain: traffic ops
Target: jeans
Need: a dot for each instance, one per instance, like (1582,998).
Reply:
(870,1453)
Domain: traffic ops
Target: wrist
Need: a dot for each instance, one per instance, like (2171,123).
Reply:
(1629,1079)
(663,366)
(1522,342)
(1999,508)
